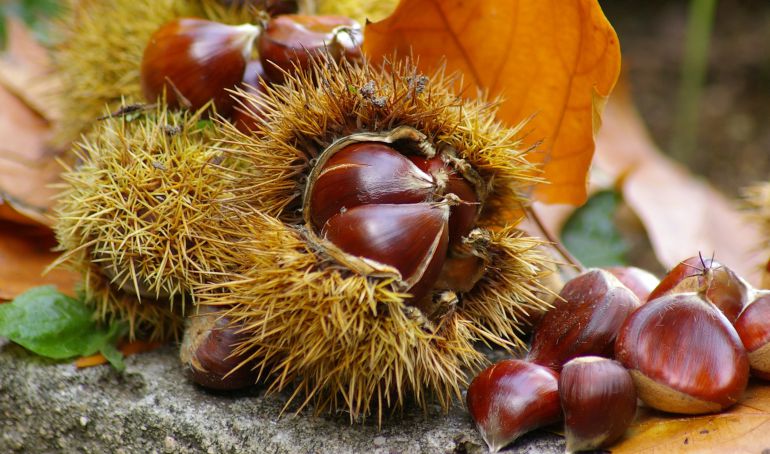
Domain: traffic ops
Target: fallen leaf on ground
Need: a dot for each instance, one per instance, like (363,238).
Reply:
(25,252)
(683,215)
(25,70)
(27,163)
(128,349)
(743,428)
(552,60)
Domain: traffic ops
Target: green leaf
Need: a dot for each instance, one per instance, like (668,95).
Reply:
(114,356)
(591,235)
(52,324)
(37,15)
(3,31)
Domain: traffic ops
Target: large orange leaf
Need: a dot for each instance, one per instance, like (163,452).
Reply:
(555,60)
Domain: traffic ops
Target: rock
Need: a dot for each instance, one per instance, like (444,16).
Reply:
(49,406)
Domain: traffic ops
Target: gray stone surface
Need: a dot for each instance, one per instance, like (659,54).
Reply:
(48,406)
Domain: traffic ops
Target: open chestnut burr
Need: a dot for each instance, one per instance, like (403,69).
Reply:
(377,207)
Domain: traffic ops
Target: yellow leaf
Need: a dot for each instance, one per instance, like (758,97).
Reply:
(743,428)
(552,60)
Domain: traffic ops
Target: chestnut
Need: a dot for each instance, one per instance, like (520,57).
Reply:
(289,42)
(210,355)
(719,284)
(598,398)
(371,201)
(511,398)
(378,232)
(639,281)
(463,215)
(194,61)
(753,327)
(684,355)
(585,319)
(367,173)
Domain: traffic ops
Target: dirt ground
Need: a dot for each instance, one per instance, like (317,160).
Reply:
(734,126)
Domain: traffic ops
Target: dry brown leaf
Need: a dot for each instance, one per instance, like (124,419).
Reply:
(554,59)
(25,70)
(27,164)
(683,215)
(25,252)
(743,428)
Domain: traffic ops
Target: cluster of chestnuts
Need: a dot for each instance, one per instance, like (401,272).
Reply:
(303,212)
(194,62)
(685,345)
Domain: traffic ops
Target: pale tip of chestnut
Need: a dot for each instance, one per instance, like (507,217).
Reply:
(668,399)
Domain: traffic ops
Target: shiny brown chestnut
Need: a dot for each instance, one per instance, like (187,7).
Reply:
(598,399)
(289,42)
(464,214)
(718,283)
(639,281)
(271,7)
(511,398)
(753,327)
(195,61)
(367,173)
(209,354)
(585,319)
(373,202)
(684,355)
(412,238)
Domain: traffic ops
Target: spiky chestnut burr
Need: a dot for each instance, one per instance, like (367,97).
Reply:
(757,202)
(136,213)
(190,62)
(98,53)
(317,316)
